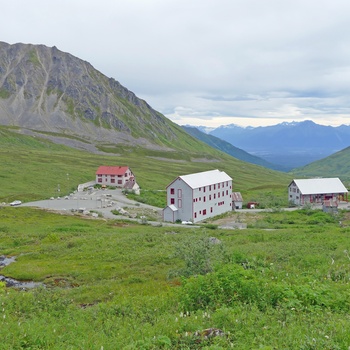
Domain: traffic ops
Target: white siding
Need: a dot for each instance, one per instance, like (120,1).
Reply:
(200,203)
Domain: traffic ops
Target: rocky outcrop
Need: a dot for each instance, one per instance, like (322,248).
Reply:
(45,89)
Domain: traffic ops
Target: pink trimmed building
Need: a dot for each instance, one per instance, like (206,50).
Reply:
(118,176)
(199,196)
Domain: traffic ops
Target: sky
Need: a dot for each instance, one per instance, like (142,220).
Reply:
(206,62)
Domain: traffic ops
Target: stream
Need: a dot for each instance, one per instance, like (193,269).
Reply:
(11,282)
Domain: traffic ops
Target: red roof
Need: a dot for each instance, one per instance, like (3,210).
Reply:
(111,170)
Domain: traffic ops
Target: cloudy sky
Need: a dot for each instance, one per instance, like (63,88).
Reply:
(206,62)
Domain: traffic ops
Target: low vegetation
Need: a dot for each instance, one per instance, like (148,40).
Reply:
(40,167)
(283,283)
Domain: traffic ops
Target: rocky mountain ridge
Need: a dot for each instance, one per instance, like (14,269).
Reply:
(43,89)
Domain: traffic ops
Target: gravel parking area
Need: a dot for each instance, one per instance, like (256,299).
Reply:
(101,201)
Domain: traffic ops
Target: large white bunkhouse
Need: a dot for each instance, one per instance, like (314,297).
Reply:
(118,176)
(199,196)
(305,191)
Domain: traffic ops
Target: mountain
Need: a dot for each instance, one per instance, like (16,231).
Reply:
(228,148)
(46,90)
(60,119)
(336,165)
(289,144)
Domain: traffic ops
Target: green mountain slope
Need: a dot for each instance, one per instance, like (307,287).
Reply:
(336,165)
(32,168)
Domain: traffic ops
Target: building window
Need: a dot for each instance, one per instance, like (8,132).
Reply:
(218,185)
(211,209)
(120,182)
(204,211)
(112,181)
(209,187)
(99,179)
(204,199)
(210,197)
(179,193)
(179,203)
(223,193)
(172,200)
(214,195)
(200,189)
(203,189)
(195,215)
(218,194)
(194,200)
(214,187)
(172,191)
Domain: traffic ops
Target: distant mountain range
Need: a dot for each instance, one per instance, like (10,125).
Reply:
(228,148)
(289,145)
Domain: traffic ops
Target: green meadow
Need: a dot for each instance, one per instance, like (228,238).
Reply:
(282,283)
(33,168)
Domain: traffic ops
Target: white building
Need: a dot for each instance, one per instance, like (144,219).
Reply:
(196,197)
(304,191)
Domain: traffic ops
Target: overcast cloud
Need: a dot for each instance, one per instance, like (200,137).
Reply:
(206,62)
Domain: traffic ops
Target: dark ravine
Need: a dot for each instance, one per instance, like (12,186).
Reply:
(11,282)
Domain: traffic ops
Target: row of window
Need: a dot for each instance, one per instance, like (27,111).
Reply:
(210,188)
(204,211)
(125,175)
(210,196)
(218,185)
(294,190)
(120,182)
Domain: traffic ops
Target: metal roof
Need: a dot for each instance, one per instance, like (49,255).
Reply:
(111,170)
(320,186)
(172,207)
(205,178)
(237,197)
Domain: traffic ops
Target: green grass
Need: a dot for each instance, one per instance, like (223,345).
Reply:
(336,165)
(32,168)
(283,286)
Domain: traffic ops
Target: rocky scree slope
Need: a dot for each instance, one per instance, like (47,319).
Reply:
(44,89)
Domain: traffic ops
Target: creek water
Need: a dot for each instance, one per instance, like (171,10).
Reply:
(11,282)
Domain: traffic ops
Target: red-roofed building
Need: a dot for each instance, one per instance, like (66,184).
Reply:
(118,176)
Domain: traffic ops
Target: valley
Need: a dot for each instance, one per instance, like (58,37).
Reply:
(108,282)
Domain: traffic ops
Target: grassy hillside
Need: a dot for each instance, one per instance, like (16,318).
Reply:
(280,284)
(336,165)
(32,168)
